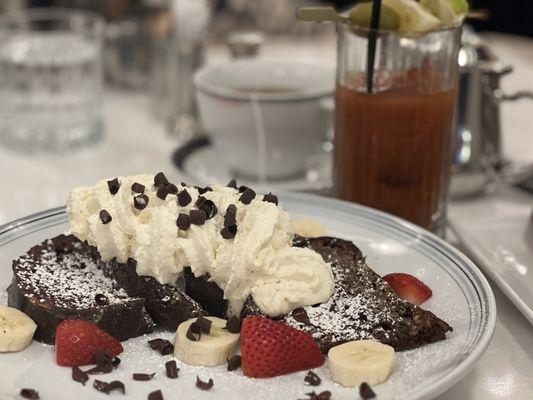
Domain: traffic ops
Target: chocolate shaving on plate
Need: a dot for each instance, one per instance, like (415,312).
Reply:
(137,188)
(160,179)
(233,325)
(184,198)
(325,395)
(102,359)
(366,392)
(162,346)
(140,201)
(232,184)
(113,186)
(143,377)
(105,217)
(107,388)
(172,369)
(157,395)
(200,384)
(205,324)
(247,196)
(234,362)
(29,394)
(79,376)
(312,379)
(100,369)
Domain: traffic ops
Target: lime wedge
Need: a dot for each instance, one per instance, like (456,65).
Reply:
(448,11)
(413,17)
(361,15)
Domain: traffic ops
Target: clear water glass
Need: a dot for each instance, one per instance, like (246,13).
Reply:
(51,86)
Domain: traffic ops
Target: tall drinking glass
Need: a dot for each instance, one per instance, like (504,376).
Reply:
(51,79)
(393,144)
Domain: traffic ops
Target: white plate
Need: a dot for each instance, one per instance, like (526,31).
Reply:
(462,297)
(497,231)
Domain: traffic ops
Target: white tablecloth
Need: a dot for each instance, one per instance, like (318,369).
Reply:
(136,143)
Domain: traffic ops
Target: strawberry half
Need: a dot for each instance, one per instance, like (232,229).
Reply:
(270,348)
(409,287)
(77,340)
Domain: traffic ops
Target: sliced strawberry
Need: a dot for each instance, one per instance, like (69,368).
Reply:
(270,348)
(77,340)
(409,287)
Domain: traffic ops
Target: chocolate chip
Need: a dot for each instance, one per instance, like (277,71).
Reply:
(29,394)
(232,184)
(270,198)
(209,207)
(194,332)
(107,388)
(247,196)
(198,217)
(234,363)
(300,315)
(101,299)
(229,232)
(79,376)
(140,201)
(203,190)
(172,369)
(105,217)
(199,201)
(172,189)
(137,188)
(242,188)
(230,218)
(143,377)
(205,324)
(366,392)
(160,179)
(233,325)
(312,379)
(157,395)
(184,198)
(200,384)
(162,346)
(113,186)
(183,222)
(100,369)
(162,192)
(115,362)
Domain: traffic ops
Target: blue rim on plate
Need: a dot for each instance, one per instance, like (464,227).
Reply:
(467,276)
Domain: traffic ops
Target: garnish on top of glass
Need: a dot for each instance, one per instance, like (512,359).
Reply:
(395,104)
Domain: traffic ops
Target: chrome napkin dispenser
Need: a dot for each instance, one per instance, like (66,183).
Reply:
(478,158)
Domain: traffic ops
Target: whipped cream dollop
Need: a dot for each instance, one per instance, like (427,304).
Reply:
(259,260)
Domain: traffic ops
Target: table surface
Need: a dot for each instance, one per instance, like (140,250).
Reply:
(137,143)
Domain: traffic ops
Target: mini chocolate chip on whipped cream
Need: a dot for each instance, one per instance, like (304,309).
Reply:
(105,217)
(137,188)
(113,186)
(270,198)
(140,201)
(183,222)
(243,241)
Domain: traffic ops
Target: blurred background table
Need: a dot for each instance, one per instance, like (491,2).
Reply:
(136,142)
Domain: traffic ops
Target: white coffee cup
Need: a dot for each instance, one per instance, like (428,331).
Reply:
(265,116)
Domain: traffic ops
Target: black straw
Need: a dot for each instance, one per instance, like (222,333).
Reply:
(372,39)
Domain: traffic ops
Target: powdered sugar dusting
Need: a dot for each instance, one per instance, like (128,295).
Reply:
(70,279)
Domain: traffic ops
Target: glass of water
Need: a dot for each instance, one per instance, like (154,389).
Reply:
(50,79)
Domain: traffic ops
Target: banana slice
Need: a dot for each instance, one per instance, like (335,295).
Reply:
(353,363)
(213,348)
(16,329)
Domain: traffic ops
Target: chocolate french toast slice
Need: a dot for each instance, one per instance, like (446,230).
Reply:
(363,306)
(168,305)
(59,279)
